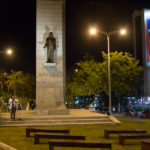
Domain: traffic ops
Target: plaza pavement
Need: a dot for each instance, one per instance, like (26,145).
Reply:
(76,117)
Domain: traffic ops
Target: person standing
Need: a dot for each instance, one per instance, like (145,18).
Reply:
(13,102)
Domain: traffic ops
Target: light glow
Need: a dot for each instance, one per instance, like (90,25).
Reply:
(93,31)
(123,31)
(76,70)
(9,51)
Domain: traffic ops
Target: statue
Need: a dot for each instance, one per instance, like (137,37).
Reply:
(51,47)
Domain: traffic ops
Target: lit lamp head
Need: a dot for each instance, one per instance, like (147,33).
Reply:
(9,51)
(76,70)
(92,31)
(123,31)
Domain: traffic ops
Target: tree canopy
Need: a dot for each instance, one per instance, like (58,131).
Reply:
(126,74)
(17,83)
(91,76)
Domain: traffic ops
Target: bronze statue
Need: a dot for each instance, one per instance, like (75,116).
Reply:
(51,47)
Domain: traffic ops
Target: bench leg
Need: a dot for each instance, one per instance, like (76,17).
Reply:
(111,147)
(145,146)
(36,139)
(106,134)
(121,141)
(27,133)
(51,147)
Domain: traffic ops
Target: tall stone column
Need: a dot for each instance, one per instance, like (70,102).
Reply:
(50,76)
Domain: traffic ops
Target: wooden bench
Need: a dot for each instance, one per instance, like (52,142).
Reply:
(29,130)
(145,145)
(108,132)
(85,144)
(37,136)
(123,137)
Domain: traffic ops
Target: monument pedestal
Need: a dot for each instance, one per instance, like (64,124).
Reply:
(61,110)
(53,112)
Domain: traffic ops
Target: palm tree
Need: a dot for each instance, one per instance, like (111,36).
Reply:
(22,84)
(28,86)
(15,81)
(3,77)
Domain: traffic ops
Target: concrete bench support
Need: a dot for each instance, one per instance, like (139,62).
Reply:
(145,145)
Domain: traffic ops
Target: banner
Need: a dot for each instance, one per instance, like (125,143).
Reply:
(147,28)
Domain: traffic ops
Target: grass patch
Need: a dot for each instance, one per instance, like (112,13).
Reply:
(15,136)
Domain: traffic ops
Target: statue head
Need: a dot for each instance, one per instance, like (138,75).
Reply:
(51,34)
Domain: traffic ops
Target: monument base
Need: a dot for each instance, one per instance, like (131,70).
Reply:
(53,112)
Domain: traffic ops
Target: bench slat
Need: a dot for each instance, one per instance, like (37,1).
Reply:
(107,132)
(37,136)
(122,137)
(86,144)
(29,130)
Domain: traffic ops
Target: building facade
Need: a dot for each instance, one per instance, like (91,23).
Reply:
(141,33)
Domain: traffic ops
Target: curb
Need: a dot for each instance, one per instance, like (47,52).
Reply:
(6,147)
(114,119)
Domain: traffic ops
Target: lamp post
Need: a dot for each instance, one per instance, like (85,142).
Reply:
(109,73)
(93,31)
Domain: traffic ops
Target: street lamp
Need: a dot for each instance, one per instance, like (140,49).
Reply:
(93,31)
(76,70)
(8,51)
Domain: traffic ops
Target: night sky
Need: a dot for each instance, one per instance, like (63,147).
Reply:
(17,29)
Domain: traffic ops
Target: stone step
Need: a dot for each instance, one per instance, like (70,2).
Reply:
(57,124)
(55,118)
(74,113)
(76,117)
(54,121)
